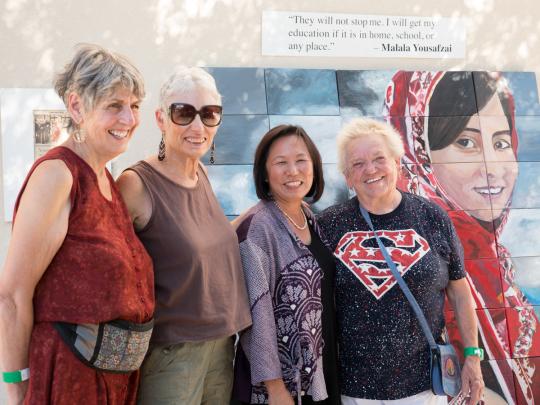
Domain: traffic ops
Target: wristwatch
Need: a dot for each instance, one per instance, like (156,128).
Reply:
(474,351)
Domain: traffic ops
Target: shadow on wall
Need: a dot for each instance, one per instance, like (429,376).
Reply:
(159,34)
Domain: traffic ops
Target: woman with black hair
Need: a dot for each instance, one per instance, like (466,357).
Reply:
(289,273)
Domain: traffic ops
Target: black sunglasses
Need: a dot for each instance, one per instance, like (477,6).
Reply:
(184,114)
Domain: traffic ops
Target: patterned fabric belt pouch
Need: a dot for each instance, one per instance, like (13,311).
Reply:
(445,371)
(118,346)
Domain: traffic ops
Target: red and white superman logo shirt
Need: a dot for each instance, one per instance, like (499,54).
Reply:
(357,252)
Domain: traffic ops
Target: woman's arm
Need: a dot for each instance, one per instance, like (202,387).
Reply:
(136,197)
(461,301)
(460,298)
(38,233)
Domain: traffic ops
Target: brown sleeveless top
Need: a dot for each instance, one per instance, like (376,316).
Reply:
(200,289)
(101,271)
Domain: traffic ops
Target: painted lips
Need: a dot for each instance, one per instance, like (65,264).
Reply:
(489,190)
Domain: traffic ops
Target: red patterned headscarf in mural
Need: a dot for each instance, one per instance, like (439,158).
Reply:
(406,107)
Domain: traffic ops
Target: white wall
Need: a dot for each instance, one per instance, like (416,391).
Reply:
(37,38)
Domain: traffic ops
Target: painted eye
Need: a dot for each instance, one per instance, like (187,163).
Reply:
(502,144)
(466,143)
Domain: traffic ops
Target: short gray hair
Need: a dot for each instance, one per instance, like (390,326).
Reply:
(365,127)
(186,79)
(94,73)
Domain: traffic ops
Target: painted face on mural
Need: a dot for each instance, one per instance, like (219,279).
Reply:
(488,179)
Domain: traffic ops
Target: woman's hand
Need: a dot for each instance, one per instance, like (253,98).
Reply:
(459,295)
(472,383)
(277,393)
(280,398)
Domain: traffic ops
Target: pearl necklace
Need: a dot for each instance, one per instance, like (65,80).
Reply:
(290,219)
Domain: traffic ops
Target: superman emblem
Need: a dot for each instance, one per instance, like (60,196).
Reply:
(359,252)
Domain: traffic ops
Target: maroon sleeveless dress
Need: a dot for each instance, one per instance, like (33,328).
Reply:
(100,273)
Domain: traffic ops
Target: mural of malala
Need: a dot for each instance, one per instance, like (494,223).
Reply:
(461,146)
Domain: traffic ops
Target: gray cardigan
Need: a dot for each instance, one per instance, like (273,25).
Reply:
(284,287)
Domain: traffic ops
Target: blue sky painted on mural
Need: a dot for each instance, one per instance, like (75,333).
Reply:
(301,92)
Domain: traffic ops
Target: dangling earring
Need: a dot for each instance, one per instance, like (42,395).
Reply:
(79,135)
(212,150)
(161,152)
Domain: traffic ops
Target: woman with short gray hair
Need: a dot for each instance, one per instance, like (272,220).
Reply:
(384,354)
(201,298)
(76,292)
(363,128)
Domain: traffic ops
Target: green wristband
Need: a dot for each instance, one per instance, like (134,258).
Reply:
(13,377)
(474,351)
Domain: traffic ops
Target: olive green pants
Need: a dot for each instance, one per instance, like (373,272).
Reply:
(191,373)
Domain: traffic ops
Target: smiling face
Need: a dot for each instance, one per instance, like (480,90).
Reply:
(190,141)
(110,125)
(479,184)
(371,170)
(289,169)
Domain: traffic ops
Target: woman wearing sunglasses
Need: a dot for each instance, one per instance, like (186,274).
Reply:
(201,299)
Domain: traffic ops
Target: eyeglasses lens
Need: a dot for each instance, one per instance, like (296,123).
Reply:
(210,115)
(184,114)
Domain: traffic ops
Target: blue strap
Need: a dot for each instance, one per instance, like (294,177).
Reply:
(416,308)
